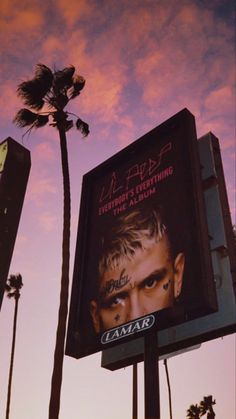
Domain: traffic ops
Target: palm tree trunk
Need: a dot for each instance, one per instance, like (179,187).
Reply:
(12,356)
(168,385)
(56,382)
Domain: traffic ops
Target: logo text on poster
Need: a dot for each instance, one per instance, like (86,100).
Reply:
(128,329)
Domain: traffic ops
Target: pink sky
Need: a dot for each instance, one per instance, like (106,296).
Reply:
(143,61)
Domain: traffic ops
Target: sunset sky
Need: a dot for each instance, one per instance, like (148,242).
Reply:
(143,61)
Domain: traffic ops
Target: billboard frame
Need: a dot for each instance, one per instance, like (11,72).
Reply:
(178,130)
(15,164)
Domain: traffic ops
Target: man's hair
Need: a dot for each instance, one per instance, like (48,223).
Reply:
(136,230)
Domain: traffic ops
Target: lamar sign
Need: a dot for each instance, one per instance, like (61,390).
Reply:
(128,329)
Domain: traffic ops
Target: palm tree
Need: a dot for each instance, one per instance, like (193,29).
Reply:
(13,286)
(48,93)
(206,407)
(168,385)
(193,412)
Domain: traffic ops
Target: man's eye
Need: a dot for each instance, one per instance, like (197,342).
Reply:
(113,302)
(150,283)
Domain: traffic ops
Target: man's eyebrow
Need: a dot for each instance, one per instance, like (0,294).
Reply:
(113,285)
(158,274)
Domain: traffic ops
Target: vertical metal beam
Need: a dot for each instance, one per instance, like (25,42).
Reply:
(135,391)
(151,377)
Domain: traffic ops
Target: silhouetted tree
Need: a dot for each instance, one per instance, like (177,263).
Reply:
(193,412)
(48,93)
(206,407)
(13,285)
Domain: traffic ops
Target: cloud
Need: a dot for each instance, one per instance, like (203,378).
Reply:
(40,187)
(152,59)
(52,49)
(8,102)
(220,100)
(17,21)
(48,221)
(104,95)
(95,57)
(180,56)
(45,152)
(75,10)
(22,239)
(217,115)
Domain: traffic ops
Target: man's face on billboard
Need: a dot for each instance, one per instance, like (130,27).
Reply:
(147,283)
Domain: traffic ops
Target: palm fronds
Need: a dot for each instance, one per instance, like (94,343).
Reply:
(44,74)
(82,127)
(68,125)
(78,85)
(196,411)
(55,89)
(30,92)
(58,101)
(25,117)
(13,285)
(193,412)
(41,121)
(206,406)
(63,79)
(33,91)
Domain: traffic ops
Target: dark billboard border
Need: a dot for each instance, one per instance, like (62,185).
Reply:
(184,124)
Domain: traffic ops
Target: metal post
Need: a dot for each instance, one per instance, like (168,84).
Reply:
(151,377)
(135,391)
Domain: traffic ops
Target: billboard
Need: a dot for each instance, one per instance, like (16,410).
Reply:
(179,339)
(14,172)
(142,256)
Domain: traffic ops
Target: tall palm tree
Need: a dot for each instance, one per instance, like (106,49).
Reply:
(13,286)
(169,389)
(193,412)
(206,407)
(48,93)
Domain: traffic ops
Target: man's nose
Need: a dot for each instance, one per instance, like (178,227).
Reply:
(134,309)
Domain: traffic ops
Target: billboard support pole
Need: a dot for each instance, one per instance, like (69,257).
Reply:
(135,391)
(151,377)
